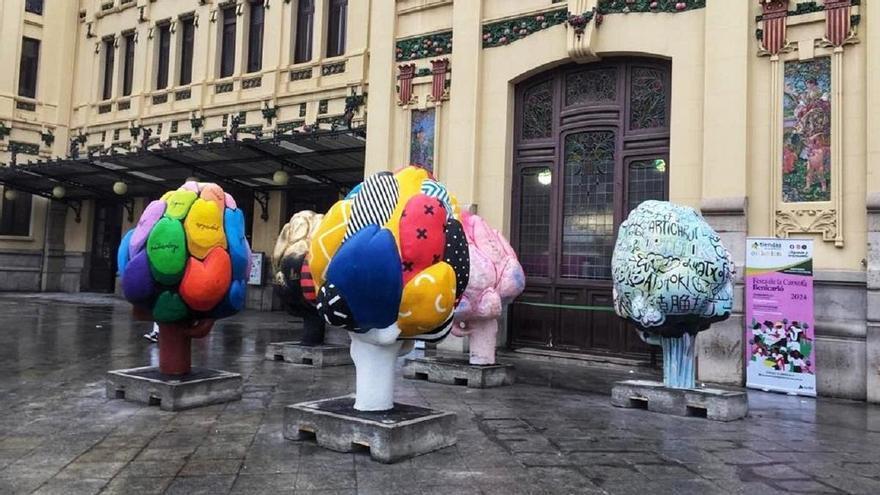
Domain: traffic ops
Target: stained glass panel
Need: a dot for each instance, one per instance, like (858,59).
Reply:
(537,118)
(806,135)
(646,179)
(591,86)
(534,221)
(588,205)
(648,92)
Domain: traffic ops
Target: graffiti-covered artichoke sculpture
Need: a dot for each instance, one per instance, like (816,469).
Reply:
(293,277)
(390,262)
(672,278)
(495,279)
(185,265)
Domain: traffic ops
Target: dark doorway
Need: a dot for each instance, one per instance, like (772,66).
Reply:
(592,142)
(106,235)
(318,199)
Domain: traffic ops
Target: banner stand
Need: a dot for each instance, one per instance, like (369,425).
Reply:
(780,348)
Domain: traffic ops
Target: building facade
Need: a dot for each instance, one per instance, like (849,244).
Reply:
(552,119)
(101,78)
(555,118)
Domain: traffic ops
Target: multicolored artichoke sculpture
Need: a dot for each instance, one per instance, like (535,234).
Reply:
(496,278)
(672,278)
(184,265)
(293,277)
(390,263)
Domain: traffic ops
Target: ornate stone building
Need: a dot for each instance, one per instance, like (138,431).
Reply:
(118,86)
(551,118)
(555,118)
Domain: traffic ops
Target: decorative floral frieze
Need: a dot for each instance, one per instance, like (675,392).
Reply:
(284,127)
(181,138)
(104,108)
(25,105)
(504,32)
(209,136)
(222,88)
(302,74)
(330,69)
(430,45)
(124,105)
(160,99)
(183,94)
(667,6)
(254,82)
(25,148)
(255,129)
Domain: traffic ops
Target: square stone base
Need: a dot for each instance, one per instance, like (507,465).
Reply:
(458,371)
(711,403)
(319,356)
(200,387)
(390,436)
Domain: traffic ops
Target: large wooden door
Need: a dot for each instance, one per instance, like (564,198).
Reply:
(106,236)
(592,142)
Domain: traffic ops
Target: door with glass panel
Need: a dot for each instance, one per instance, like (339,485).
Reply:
(592,142)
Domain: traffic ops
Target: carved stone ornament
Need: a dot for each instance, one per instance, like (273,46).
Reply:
(580,41)
(807,222)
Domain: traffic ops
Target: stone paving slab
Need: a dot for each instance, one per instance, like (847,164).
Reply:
(458,371)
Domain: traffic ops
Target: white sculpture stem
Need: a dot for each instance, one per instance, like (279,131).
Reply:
(482,341)
(375,354)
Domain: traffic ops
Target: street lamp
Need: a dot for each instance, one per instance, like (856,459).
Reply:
(10,194)
(120,188)
(280,178)
(59,191)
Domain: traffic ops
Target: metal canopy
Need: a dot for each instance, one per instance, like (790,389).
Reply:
(334,159)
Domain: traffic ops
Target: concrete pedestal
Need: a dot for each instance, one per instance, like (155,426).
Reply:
(715,404)
(390,436)
(458,371)
(319,356)
(200,387)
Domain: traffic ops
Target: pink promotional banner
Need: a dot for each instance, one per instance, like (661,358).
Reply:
(780,330)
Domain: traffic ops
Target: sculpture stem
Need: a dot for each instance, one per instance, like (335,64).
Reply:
(175,345)
(374,368)
(482,341)
(679,361)
(175,356)
(313,326)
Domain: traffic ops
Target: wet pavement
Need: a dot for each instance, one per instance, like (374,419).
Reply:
(553,432)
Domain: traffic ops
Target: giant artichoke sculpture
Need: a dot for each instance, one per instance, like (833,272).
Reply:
(390,263)
(672,278)
(293,279)
(496,278)
(184,265)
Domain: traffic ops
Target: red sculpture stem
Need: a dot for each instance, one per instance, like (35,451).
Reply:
(175,345)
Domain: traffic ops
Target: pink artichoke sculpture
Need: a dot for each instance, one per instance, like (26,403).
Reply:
(496,278)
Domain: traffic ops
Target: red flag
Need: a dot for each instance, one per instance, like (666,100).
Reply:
(439,68)
(774,13)
(837,21)
(405,80)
